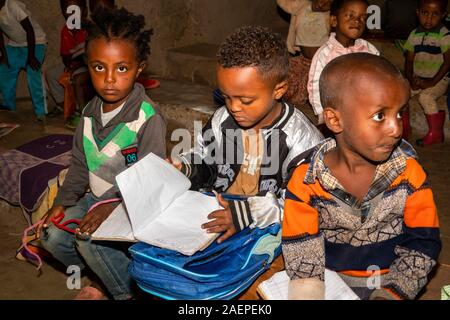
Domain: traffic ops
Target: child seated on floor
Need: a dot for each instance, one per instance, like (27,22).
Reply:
(360,203)
(118,127)
(348,18)
(250,145)
(309,29)
(69,83)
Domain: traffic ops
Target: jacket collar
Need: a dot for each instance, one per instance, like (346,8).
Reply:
(129,112)
(358,46)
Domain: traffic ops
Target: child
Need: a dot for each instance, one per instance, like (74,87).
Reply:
(308,31)
(427,65)
(73,72)
(120,121)
(361,202)
(24,49)
(250,145)
(348,18)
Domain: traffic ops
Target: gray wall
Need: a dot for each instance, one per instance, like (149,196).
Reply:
(176,23)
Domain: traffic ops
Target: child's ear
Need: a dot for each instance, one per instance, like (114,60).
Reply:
(280,89)
(141,68)
(333,21)
(332,119)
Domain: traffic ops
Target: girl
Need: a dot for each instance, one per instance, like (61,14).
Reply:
(120,121)
(348,18)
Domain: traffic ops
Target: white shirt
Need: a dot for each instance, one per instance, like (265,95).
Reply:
(12,13)
(106,117)
(329,51)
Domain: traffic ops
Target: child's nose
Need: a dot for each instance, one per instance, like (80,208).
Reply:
(110,78)
(395,128)
(235,106)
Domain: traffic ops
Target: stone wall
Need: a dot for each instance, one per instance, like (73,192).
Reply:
(176,23)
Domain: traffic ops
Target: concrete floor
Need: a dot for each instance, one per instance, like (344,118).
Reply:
(181,103)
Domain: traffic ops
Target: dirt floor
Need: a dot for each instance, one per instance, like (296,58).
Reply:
(19,280)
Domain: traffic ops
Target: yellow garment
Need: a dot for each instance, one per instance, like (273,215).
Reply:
(49,196)
(247,181)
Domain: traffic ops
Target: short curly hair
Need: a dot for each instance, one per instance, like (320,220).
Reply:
(113,24)
(442,3)
(256,46)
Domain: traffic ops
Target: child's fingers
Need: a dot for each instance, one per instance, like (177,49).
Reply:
(225,236)
(218,229)
(174,163)
(213,223)
(222,202)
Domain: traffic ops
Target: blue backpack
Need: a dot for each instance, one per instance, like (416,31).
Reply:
(221,271)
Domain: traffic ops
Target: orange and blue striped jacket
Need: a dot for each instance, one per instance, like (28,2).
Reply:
(395,227)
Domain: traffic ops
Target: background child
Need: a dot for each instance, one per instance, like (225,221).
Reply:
(361,201)
(72,75)
(266,137)
(427,65)
(24,49)
(121,120)
(308,31)
(348,18)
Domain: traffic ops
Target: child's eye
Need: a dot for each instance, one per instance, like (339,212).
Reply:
(122,69)
(378,117)
(98,68)
(247,102)
(400,115)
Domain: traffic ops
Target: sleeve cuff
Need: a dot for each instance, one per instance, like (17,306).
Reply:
(240,211)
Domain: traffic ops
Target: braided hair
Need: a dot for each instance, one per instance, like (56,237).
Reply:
(114,24)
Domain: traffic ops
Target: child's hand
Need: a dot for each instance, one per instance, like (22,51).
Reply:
(174,163)
(33,63)
(95,218)
(50,214)
(223,221)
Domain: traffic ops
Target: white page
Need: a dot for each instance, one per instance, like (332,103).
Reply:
(276,288)
(179,227)
(148,187)
(116,227)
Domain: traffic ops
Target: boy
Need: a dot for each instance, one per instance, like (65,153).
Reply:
(250,145)
(427,64)
(348,18)
(24,49)
(361,202)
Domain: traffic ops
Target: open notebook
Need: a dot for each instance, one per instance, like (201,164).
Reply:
(159,209)
(276,288)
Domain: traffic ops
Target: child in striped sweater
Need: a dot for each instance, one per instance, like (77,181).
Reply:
(360,204)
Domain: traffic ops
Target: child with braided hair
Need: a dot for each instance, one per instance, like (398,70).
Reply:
(120,121)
